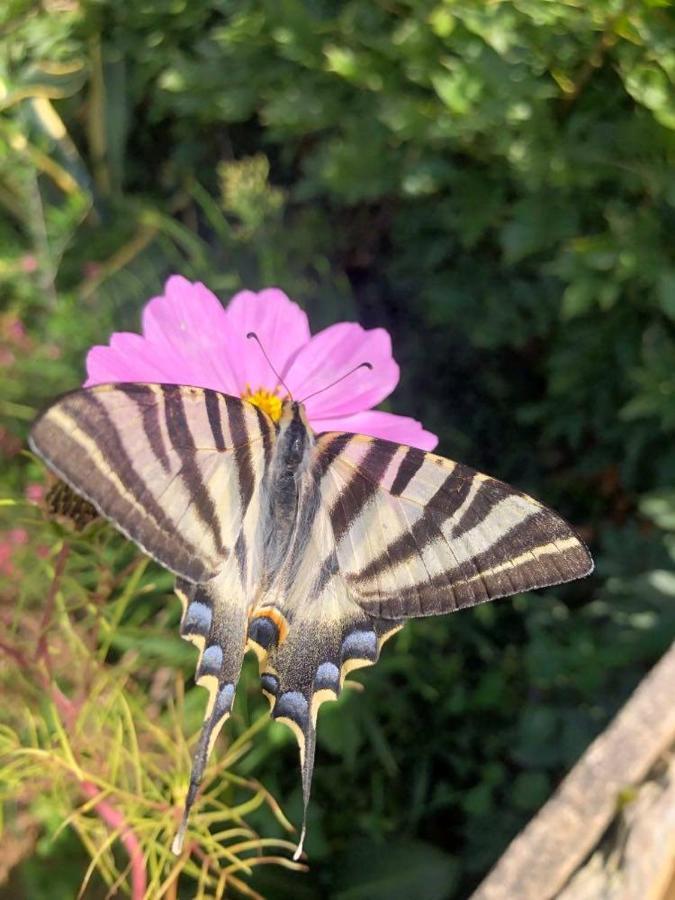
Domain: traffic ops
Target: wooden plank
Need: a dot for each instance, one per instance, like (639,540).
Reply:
(540,861)
(635,861)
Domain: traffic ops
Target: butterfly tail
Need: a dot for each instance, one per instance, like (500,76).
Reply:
(307,767)
(218,628)
(210,729)
(307,666)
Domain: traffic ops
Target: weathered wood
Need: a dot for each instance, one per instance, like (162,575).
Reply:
(636,861)
(540,861)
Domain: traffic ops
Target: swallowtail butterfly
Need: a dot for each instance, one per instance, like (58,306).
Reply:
(309,549)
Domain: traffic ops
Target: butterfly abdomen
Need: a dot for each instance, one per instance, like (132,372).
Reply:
(283,485)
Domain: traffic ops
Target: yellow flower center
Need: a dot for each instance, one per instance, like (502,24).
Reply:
(268,401)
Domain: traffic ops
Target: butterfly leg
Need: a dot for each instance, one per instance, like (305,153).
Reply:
(217,626)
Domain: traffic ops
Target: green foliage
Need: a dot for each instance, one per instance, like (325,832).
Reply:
(95,717)
(495,184)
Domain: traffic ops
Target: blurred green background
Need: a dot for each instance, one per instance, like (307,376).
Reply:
(491,181)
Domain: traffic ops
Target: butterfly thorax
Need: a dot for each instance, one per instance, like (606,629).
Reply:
(283,485)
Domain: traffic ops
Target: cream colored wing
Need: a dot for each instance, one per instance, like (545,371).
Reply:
(416,535)
(386,533)
(215,620)
(180,471)
(176,469)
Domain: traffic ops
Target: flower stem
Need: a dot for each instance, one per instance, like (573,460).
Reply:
(114,819)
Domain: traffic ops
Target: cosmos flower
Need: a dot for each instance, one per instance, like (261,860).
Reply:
(189,338)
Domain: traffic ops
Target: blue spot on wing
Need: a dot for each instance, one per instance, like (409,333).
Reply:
(292,705)
(212,660)
(224,701)
(360,645)
(263,631)
(197,618)
(270,683)
(327,677)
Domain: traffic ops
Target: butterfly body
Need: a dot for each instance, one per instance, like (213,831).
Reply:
(283,488)
(309,549)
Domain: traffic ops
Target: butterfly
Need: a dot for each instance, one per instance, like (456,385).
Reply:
(309,549)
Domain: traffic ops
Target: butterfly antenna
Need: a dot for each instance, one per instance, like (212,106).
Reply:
(254,336)
(307,760)
(363,365)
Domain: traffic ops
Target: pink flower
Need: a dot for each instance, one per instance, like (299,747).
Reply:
(189,338)
(28,263)
(18,536)
(34,492)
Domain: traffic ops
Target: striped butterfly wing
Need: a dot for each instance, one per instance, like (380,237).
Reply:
(419,535)
(385,533)
(180,471)
(174,468)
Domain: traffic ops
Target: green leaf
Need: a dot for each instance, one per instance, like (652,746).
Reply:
(665,287)
(663,581)
(660,508)
(396,870)
(649,85)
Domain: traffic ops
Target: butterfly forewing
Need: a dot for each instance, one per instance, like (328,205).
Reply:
(175,468)
(419,535)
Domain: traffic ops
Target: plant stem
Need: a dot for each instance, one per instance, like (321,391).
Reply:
(114,819)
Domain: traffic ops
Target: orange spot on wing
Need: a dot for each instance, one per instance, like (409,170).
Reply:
(277,617)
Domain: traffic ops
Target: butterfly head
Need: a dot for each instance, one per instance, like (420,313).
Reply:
(292,411)
(295,435)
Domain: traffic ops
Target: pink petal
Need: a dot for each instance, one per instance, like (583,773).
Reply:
(129,357)
(185,341)
(390,427)
(189,326)
(332,353)
(282,329)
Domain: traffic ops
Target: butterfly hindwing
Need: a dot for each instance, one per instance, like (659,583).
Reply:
(215,619)
(175,468)
(418,535)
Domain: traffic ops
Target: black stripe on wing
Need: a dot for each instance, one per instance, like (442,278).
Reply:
(410,465)
(354,496)
(145,400)
(215,419)
(183,443)
(457,537)
(242,454)
(134,508)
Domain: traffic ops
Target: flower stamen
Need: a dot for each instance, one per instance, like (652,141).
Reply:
(269,401)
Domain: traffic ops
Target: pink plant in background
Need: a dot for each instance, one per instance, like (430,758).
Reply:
(29,263)
(34,492)
(189,338)
(14,340)
(10,541)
